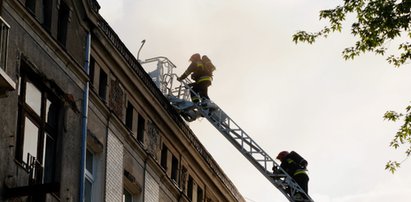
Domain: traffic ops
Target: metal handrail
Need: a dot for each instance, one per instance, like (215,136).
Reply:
(232,131)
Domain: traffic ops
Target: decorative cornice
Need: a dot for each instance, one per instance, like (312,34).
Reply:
(142,74)
(94,5)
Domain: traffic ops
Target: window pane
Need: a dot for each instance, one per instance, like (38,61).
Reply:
(102,88)
(174,168)
(51,113)
(87,191)
(33,97)
(47,13)
(140,128)
(199,194)
(48,158)
(31,5)
(163,161)
(62,23)
(127,196)
(89,161)
(129,116)
(190,188)
(31,133)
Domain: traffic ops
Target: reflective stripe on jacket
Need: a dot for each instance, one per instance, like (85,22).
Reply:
(297,172)
(204,78)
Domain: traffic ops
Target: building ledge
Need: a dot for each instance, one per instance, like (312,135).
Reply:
(33,190)
(6,83)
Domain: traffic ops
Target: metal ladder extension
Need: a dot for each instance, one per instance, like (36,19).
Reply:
(180,98)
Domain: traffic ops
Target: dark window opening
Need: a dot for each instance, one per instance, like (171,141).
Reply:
(31,6)
(190,184)
(129,116)
(92,68)
(200,194)
(174,168)
(102,88)
(62,23)
(164,152)
(140,128)
(47,14)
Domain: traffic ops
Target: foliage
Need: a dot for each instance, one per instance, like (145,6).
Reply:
(377,23)
(403,135)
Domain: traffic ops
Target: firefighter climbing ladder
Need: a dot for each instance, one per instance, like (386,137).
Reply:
(179,97)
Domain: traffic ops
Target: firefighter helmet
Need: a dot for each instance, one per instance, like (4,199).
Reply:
(195,57)
(282,155)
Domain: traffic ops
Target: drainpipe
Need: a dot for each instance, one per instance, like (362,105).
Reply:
(84,110)
(144,178)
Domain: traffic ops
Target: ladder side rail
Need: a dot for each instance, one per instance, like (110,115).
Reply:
(224,125)
(284,183)
(279,185)
(294,187)
(228,128)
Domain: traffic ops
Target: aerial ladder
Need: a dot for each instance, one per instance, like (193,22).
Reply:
(178,93)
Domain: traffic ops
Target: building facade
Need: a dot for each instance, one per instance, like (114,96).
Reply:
(82,120)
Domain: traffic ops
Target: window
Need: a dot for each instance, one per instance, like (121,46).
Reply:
(127,197)
(31,6)
(129,116)
(102,88)
(62,23)
(37,132)
(190,185)
(92,69)
(164,155)
(200,194)
(47,13)
(140,128)
(174,169)
(89,177)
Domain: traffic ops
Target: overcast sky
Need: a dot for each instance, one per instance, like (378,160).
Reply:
(285,96)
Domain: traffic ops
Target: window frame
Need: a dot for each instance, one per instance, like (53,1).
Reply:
(43,168)
(130,194)
(90,176)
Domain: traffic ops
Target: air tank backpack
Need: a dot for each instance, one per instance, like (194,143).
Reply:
(298,159)
(208,65)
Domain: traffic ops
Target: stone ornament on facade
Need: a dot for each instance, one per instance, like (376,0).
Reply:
(116,98)
(153,139)
(183,178)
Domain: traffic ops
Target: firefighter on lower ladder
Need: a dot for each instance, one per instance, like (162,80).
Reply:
(201,70)
(296,167)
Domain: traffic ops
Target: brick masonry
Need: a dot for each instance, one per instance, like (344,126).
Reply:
(152,189)
(114,172)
